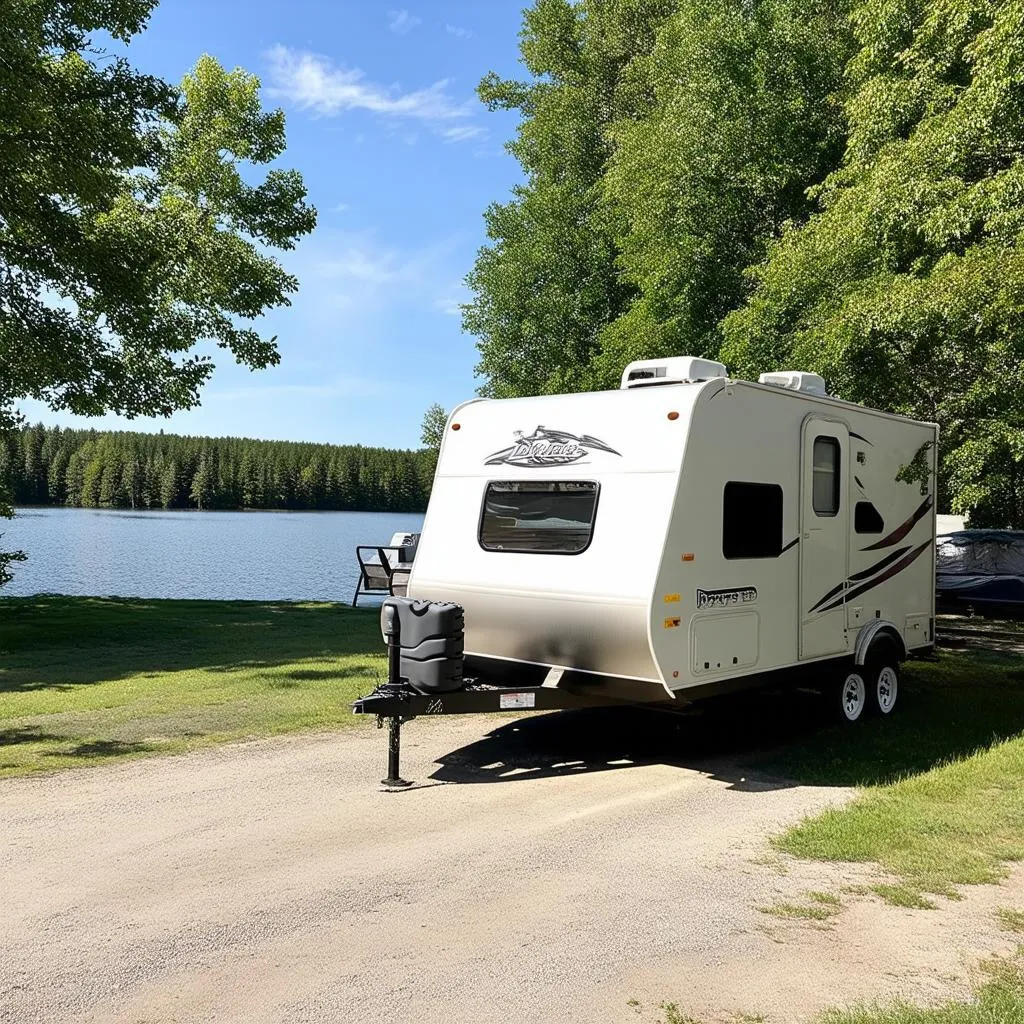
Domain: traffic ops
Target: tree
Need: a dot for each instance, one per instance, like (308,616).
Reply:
(744,117)
(435,419)
(127,231)
(548,283)
(906,289)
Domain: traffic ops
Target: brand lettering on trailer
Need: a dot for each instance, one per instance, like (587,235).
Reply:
(726,598)
(546,447)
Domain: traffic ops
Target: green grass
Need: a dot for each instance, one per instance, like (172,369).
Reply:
(1000,1000)
(1011,920)
(944,797)
(818,910)
(84,680)
(903,895)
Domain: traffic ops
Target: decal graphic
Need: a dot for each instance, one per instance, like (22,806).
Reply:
(893,570)
(726,598)
(863,575)
(546,447)
(901,531)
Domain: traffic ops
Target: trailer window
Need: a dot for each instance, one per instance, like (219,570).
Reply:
(825,483)
(542,517)
(751,520)
(867,518)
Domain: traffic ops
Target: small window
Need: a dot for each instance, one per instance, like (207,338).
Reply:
(866,518)
(541,517)
(751,520)
(825,485)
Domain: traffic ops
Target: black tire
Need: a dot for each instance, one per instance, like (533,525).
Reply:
(849,696)
(882,675)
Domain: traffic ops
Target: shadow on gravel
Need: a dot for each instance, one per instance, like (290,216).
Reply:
(716,737)
(964,701)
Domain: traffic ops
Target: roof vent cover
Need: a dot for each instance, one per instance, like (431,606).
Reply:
(795,380)
(677,370)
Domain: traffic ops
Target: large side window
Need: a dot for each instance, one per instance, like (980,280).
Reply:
(542,517)
(825,494)
(751,520)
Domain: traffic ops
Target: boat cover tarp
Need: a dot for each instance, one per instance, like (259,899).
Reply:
(981,565)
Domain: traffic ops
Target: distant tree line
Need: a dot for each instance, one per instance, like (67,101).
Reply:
(51,466)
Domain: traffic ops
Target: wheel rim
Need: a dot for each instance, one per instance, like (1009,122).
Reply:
(854,694)
(887,687)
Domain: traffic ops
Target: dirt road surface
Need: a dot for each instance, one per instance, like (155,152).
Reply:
(531,875)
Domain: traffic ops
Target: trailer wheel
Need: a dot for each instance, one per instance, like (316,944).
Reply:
(852,693)
(883,673)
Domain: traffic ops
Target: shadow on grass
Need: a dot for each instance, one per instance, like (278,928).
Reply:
(87,749)
(25,734)
(767,740)
(60,642)
(103,748)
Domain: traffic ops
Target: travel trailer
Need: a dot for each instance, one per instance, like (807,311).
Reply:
(685,535)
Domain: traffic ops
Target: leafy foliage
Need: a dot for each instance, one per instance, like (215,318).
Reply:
(51,466)
(432,432)
(744,117)
(127,230)
(906,290)
(128,233)
(664,143)
(548,283)
(834,186)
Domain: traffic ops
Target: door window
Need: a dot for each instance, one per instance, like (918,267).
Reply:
(825,483)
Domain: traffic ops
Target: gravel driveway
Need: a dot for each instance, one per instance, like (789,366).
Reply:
(554,878)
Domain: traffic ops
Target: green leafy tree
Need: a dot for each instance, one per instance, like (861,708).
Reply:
(745,115)
(435,419)
(906,289)
(128,233)
(547,283)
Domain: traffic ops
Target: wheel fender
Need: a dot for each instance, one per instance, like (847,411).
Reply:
(873,631)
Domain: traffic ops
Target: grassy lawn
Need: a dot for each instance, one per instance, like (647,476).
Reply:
(944,796)
(84,680)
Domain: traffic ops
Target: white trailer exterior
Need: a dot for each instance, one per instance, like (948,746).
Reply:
(670,539)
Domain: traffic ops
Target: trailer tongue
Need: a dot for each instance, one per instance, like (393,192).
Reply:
(425,677)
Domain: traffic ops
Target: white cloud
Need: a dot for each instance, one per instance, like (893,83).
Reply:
(449,306)
(313,82)
(458,31)
(402,21)
(339,207)
(361,263)
(462,132)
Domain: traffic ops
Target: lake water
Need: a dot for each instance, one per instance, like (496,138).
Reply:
(255,556)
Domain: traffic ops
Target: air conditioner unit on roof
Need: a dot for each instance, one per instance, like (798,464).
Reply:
(796,380)
(676,370)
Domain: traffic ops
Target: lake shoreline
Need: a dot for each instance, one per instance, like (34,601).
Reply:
(173,554)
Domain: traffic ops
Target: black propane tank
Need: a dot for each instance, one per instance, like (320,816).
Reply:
(431,638)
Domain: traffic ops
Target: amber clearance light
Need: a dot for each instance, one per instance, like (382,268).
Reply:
(455,426)
(673,415)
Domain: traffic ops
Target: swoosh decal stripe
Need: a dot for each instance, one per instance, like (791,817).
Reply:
(863,574)
(893,570)
(901,531)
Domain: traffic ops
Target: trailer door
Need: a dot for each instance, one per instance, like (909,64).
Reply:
(824,537)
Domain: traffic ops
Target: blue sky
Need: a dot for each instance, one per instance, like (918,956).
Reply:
(401,160)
